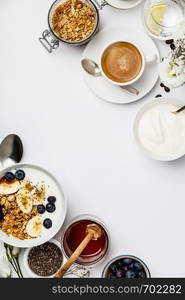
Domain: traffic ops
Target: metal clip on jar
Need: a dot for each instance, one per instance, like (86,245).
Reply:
(49,38)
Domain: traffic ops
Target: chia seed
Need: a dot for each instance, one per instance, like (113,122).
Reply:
(45,260)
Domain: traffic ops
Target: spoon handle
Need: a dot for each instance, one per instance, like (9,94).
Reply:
(180,109)
(130,89)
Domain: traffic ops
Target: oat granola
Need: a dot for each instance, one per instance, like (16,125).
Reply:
(15,221)
(20,208)
(74,20)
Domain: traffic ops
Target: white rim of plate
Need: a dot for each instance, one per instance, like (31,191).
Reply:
(155,101)
(123,4)
(137,98)
(43,239)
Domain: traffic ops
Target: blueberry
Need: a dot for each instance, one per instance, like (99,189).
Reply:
(119,274)
(138,266)
(131,266)
(47,223)
(141,274)
(125,269)
(113,268)
(127,261)
(1,213)
(19,175)
(9,176)
(51,199)
(130,274)
(111,276)
(41,209)
(50,207)
(119,264)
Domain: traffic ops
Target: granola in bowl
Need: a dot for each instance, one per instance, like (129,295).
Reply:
(32,206)
(74,21)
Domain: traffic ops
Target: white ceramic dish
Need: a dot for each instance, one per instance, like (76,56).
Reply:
(106,90)
(105,270)
(39,175)
(26,266)
(145,61)
(139,115)
(123,4)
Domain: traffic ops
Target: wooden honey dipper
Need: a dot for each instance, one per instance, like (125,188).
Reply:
(94,232)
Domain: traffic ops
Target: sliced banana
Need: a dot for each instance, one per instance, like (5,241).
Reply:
(9,188)
(24,201)
(26,185)
(38,194)
(34,227)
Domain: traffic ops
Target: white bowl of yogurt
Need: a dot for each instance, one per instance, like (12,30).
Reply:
(159,132)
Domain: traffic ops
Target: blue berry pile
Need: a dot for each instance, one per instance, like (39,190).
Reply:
(50,207)
(126,268)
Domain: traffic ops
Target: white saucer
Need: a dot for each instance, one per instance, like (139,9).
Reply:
(123,4)
(104,89)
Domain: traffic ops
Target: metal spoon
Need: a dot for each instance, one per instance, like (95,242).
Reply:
(93,69)
(11,150)
(179,110)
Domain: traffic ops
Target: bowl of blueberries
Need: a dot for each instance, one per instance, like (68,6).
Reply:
(126,266)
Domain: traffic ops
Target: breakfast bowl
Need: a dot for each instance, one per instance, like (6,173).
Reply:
(126,266)
(32,205)
(75,22)
(43,261)
(159,131)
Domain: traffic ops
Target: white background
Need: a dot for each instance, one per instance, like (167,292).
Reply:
(88,144)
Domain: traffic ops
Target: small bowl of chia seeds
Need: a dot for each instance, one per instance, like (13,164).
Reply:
(43,261)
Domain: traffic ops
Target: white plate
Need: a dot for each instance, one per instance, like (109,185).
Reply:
(104,89)
(139,115)
(39,175)
(123,4)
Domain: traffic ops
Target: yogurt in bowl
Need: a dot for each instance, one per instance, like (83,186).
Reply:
(32,205)
(160,132)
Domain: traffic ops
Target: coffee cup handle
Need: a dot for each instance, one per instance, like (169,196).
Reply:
(151,58)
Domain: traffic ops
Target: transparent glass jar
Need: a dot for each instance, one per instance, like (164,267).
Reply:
(85,259)
(163,18)
(50,40)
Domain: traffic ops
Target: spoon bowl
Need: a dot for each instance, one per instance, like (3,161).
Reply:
(91,67)
(11,150)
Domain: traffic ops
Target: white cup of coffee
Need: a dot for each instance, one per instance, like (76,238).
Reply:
(123,63)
